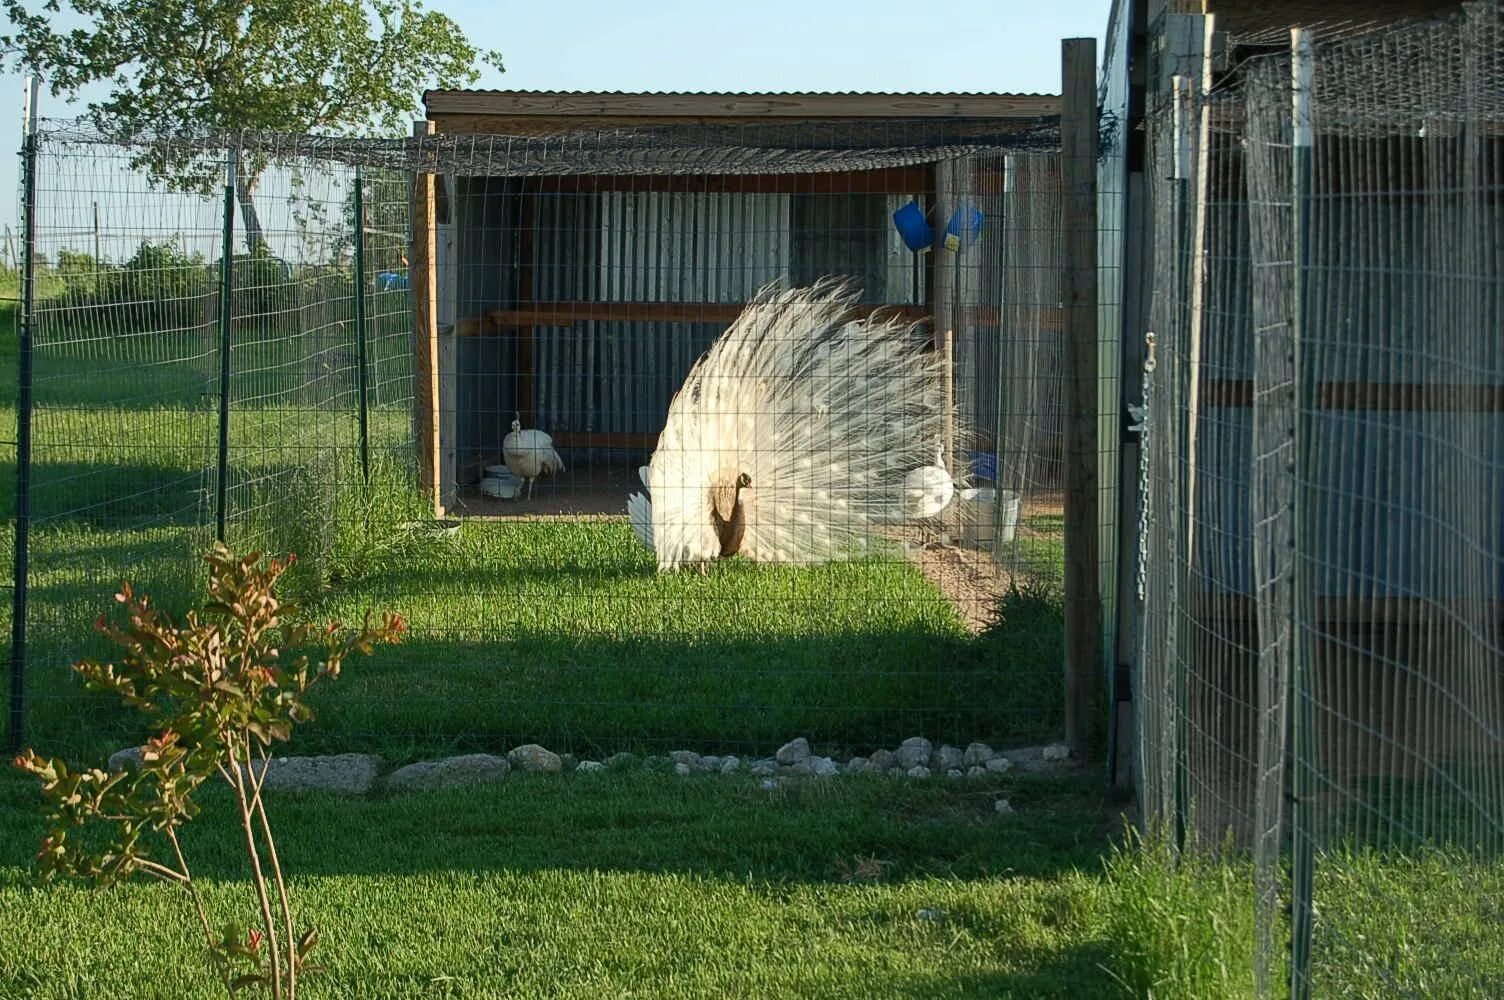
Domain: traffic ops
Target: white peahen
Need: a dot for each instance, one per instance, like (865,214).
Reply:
(528,454)
(792,437)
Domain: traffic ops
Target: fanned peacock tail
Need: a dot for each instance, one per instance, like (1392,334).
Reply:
(825,413)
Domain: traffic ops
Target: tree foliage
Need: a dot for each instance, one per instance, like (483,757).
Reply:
(186,67)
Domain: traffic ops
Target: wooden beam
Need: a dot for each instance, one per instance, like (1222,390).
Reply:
(1045,319)
(565,104)
(1201,156)
(897,180)
(586,439)
(1083,598)
(1211,606)
(527,259)
(1403,397)
(424,283)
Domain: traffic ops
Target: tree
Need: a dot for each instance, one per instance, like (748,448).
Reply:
(177,69)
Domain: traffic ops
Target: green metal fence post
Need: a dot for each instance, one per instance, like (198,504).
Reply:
(24,402)
(226,288)
(361,374)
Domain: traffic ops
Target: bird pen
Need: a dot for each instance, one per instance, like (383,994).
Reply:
(667,422)
(1321,567)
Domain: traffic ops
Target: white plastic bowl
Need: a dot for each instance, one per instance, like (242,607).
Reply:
(501,489)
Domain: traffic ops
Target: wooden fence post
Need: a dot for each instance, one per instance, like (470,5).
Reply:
(423,280)
(1084,671)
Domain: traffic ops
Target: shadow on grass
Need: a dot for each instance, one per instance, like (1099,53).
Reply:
(1078,972)
(849,694)
(642,820)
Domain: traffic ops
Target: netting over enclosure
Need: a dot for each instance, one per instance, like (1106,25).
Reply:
(325,353)
(1324,578)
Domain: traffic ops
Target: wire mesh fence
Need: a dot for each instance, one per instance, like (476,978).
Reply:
(322,346)
(1324,546)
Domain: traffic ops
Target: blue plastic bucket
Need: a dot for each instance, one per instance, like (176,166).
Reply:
(913,227)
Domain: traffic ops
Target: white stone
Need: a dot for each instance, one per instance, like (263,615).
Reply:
(945,758)
(729,764)
(976,771)
(918,771)
(978,754)
(914,752)
(955,772)
(450,772)
(769,784)
(682,769)
(621,760)
(1003,807)
(763,768)
(345,773)
(532,757)
(793,752)
(1055,752)
(931,915)
(688,758)
(710,763)
(855,765)
(591,766)
(998,765)
(882,760)
(823,767)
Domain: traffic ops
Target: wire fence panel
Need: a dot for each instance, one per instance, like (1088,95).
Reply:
(1324,528)
(320,346)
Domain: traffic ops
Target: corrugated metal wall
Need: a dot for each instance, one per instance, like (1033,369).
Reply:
(1378,469)
(648,246)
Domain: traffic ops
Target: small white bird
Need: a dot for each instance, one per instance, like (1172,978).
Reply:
(929,489)
(529,454)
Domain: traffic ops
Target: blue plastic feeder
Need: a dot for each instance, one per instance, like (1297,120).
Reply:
(913,227)
(964,227)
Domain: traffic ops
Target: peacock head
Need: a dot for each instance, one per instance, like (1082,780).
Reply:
(743,481)
(517,423)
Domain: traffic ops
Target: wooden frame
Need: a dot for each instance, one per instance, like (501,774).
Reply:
(423,275)
(617,108)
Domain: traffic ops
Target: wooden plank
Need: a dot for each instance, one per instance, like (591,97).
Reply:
(585,439)
(944,275)
(424,284)
(897,180)
(565,104)
(1201,155)
(527,259)
(1211,606)
(1403,397)
(1083,596)
(1047,319)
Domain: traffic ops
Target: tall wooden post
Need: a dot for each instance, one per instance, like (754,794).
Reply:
(1084,669)
(423,280)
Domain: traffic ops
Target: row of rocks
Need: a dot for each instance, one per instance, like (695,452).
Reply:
(359,774)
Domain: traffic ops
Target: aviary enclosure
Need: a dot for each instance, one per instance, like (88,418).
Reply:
(332,366)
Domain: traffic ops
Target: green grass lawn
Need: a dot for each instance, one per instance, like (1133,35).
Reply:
(644,884)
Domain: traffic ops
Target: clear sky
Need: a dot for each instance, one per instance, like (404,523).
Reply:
(865,45)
